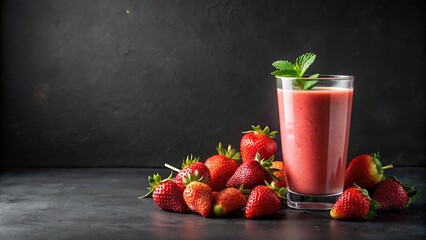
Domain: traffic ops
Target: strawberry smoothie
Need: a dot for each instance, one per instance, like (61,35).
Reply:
(314,126)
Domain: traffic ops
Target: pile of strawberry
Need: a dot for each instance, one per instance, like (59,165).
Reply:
(364,175)
(221,186)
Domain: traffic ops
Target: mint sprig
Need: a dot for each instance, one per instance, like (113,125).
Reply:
(297,70)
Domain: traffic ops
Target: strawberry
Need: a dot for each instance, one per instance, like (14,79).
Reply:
(391,194)
(264,201)
(280,174)
(258,141)
(365,170)
(252,173)
(190,165)
(166,194)
(354,203)
(227,201)
(222,166)
(198,195)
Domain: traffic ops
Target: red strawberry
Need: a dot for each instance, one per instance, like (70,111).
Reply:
(222,166)
(166,194)
(354,203)
(227,201)
(258,141)
(391,194)
(365,170)
(190,165)
(198,195)
(252,173)
(264,201)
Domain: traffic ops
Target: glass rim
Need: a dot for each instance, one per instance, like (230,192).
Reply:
(321,77)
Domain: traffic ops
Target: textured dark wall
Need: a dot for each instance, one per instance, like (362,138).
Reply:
(140,83)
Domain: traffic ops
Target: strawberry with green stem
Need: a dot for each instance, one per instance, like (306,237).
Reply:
(228,200)
(253,173)
(392,194)
(166,194)
(265,201)
(197,194)
(222,166)
(260,141)
(366,171)
(190,165)
(354,203)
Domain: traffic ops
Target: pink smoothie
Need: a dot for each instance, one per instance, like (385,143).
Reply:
(314,128)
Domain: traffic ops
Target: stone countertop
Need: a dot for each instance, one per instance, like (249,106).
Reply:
(102,203)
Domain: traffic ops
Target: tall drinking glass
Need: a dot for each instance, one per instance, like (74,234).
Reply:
(314,129)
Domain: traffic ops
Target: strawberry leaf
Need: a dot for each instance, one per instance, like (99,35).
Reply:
(229,152)
(244,191)
(362,190)
(258,129)
(153,183)
(266,164)
(189,160)
(194,177)
(374,205)
(281,191)
(370,214)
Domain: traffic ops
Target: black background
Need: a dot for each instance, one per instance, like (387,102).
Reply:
(139,83)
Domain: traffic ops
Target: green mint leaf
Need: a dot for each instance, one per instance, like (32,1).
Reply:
(285,73)
(298,83)
(303,62)
(287,69)
(283,65)
(308,84)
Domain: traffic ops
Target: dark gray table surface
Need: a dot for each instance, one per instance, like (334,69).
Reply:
(103,204)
